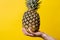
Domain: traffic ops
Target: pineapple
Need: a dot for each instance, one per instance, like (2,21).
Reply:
(31,17)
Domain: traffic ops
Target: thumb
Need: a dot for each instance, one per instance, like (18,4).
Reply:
(30,30)
(26,33)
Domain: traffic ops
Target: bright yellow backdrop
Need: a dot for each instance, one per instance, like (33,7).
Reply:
(11,12)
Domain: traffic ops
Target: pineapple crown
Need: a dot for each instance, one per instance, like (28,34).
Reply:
(32,4)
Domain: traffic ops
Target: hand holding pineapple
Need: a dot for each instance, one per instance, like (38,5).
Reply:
(37,34)
(31,21)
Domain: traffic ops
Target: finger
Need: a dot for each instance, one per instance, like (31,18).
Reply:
(38,33)
(26,33)
(35,33)
(30,30)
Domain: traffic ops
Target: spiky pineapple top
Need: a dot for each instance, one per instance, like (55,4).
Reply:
(32,4)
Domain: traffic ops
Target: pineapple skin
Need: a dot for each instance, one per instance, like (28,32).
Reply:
(31,20)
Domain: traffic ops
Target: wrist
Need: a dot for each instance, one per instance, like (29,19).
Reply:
(44,36)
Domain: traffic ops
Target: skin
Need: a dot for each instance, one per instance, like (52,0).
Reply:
(37,34)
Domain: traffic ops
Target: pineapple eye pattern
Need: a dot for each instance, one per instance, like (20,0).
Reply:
(28,18)
(27,22)
(31,19)
(26,26)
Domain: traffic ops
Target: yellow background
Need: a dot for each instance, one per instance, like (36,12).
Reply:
(11,12)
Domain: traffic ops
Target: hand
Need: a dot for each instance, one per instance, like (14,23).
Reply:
(26,33)
(33,34)
(37,34)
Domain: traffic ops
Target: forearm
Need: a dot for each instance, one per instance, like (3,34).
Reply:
(46,37)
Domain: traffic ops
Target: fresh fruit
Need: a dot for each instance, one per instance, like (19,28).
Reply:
(31,17)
